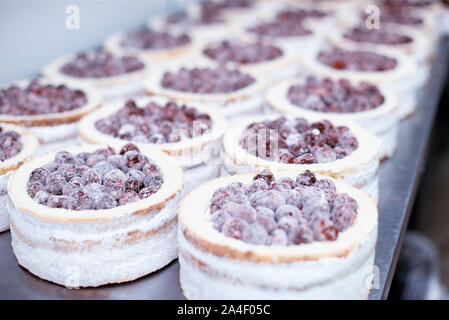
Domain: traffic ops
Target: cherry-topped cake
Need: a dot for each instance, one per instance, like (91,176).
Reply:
(276,235)
(51,109)
(274,62)
(204,20)
(115,75)
(155,123)
(188,133)
(100,64)
(338,148)
(390,69)
(16,146)
(280,28)
(222,88)
(373,107)
(241,53)
(98,180)
(341,96)
(397,13)
(300,29)
(155,46)
(11,144)
(298,141)
(356,60)
(282,211)
(37,98)
(116,207)
(288,23)
(377,36)
(149,39)
(206,80)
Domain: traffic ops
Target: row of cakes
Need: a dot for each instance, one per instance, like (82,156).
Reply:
(117,205)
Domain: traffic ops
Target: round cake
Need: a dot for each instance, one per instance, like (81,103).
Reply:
(116,76)
(373,108)
(90,207)
(226,90)
(189,134)
(152,45)
(288,235)
(274,62)
(51,109)
(17,145)
(394,71)
(339,149)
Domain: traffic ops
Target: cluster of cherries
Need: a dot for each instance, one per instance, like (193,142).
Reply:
(10,144)
(249,53)
(397,12)
(93,181)
(356,60)
(100,64)
(282,211)
(150,39)
(37,99)
(327,95)
(377,36)
(287,23)
(155,123)
(298,141)
(207,80)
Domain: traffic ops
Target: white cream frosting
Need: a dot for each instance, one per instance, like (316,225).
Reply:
(58,137)
(4,221)
(196,176)
(331,278)
(39,246)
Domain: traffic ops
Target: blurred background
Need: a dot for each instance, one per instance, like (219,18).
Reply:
(33,32)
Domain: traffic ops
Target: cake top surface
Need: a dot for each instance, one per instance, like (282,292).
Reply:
(356,60)
(37,98)
(207,80)
(296,141)
(99,180)
(155,123)
(10,144)
(339,96)
(147,39)
(100,64)
(282,212)
(242,53)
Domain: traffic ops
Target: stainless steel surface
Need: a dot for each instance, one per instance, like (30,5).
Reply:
(17,283)
(400,176)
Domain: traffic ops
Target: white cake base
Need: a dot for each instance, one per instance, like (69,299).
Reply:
(197,175)
(4,221)
(95,253)
(55,138)
(347,278)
